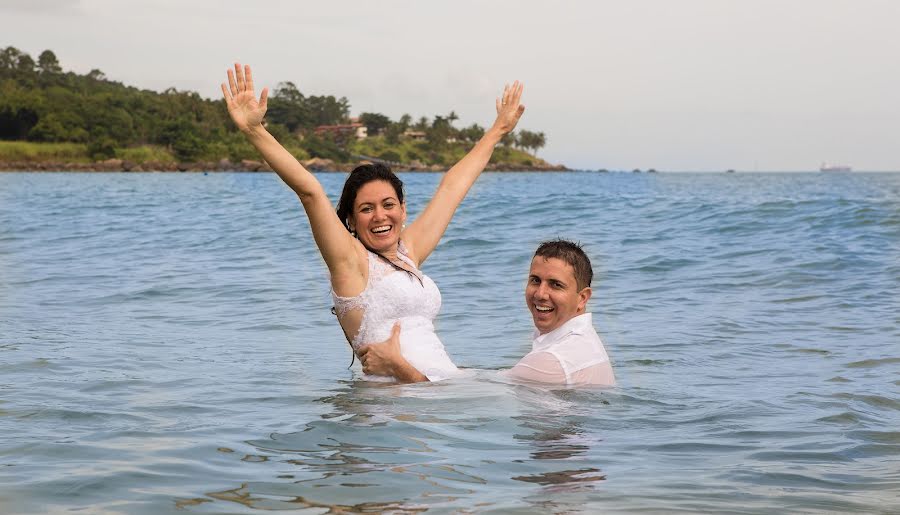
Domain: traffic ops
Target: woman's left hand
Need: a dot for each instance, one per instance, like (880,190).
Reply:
(509,110)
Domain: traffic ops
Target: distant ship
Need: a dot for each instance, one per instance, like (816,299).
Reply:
(834,168)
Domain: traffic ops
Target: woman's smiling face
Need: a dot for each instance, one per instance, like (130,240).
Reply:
(378,216)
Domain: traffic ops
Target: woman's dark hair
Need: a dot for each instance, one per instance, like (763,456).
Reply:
(360,176)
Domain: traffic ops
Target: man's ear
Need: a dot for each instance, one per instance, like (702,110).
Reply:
(583,296)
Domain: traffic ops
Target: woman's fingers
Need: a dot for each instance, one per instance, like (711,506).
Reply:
(232,84)
(226,94)
(512,94)
(249,77)
(239,77)
(264,99)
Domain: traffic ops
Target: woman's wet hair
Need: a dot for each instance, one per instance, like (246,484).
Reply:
(359,177)
(571,253)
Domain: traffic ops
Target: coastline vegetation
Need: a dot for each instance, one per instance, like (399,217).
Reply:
(48,115)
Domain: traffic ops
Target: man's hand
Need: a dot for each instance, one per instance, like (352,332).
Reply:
(385,359)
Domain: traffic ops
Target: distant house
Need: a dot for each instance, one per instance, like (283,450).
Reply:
(354,128)
(414,135)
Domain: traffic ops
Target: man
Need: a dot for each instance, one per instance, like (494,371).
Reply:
(565,348)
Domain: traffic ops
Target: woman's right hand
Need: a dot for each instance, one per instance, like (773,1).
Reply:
(509,108)
(245,110)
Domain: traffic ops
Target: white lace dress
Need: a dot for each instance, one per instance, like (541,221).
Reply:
(393,295)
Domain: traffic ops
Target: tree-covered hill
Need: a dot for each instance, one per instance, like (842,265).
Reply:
(90,117)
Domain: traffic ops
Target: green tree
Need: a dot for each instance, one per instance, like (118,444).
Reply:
(100,145)
(531,140)
(288,107)
(472,133)
(438,133)
(328,110)
(189,147)
(327,148)
(9,58)
(390,155)
(48,64)
(96,75)
(19,109)
(374,122)
(49,128)
(25,64)
(393,132)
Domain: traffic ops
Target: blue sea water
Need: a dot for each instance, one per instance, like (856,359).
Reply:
(167,346)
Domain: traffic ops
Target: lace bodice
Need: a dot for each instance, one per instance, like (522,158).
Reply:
(414,300)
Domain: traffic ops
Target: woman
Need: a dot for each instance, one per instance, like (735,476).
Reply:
(373,258)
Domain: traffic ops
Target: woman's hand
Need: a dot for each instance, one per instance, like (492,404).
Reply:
(246,112)
(509,110)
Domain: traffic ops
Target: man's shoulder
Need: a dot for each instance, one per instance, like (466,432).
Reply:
(587,339)
(580,328)
(582,340)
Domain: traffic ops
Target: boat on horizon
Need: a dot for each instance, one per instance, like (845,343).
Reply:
(834,168)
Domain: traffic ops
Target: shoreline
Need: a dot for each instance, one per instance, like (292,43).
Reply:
(313,165)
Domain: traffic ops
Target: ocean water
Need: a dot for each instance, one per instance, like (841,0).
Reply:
(167,346)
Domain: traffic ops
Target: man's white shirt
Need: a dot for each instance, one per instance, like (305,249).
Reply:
(570,354)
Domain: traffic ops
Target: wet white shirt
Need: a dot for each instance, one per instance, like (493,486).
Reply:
(570,354)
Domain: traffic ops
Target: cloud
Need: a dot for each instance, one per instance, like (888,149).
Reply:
(41,6)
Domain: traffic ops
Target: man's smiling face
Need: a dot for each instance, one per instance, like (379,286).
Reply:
(552,293)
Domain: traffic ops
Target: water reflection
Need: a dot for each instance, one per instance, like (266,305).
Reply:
(556,433)
(371,453)
(417,447)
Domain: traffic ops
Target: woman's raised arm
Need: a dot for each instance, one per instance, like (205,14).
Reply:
(423,235)
(332,238)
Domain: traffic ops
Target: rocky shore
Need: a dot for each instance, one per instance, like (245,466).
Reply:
(224,165)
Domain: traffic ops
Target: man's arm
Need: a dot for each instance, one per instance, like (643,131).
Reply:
(541,367)
(544,367)
(385,359)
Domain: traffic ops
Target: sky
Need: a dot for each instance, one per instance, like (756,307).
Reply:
(675,85)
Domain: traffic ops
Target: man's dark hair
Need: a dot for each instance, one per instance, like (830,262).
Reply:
(571,253)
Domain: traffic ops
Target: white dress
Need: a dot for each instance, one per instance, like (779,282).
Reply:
(393,295)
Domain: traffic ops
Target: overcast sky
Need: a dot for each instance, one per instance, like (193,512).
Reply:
(667,84)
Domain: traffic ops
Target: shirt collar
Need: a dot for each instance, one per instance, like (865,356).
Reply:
(575,325)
